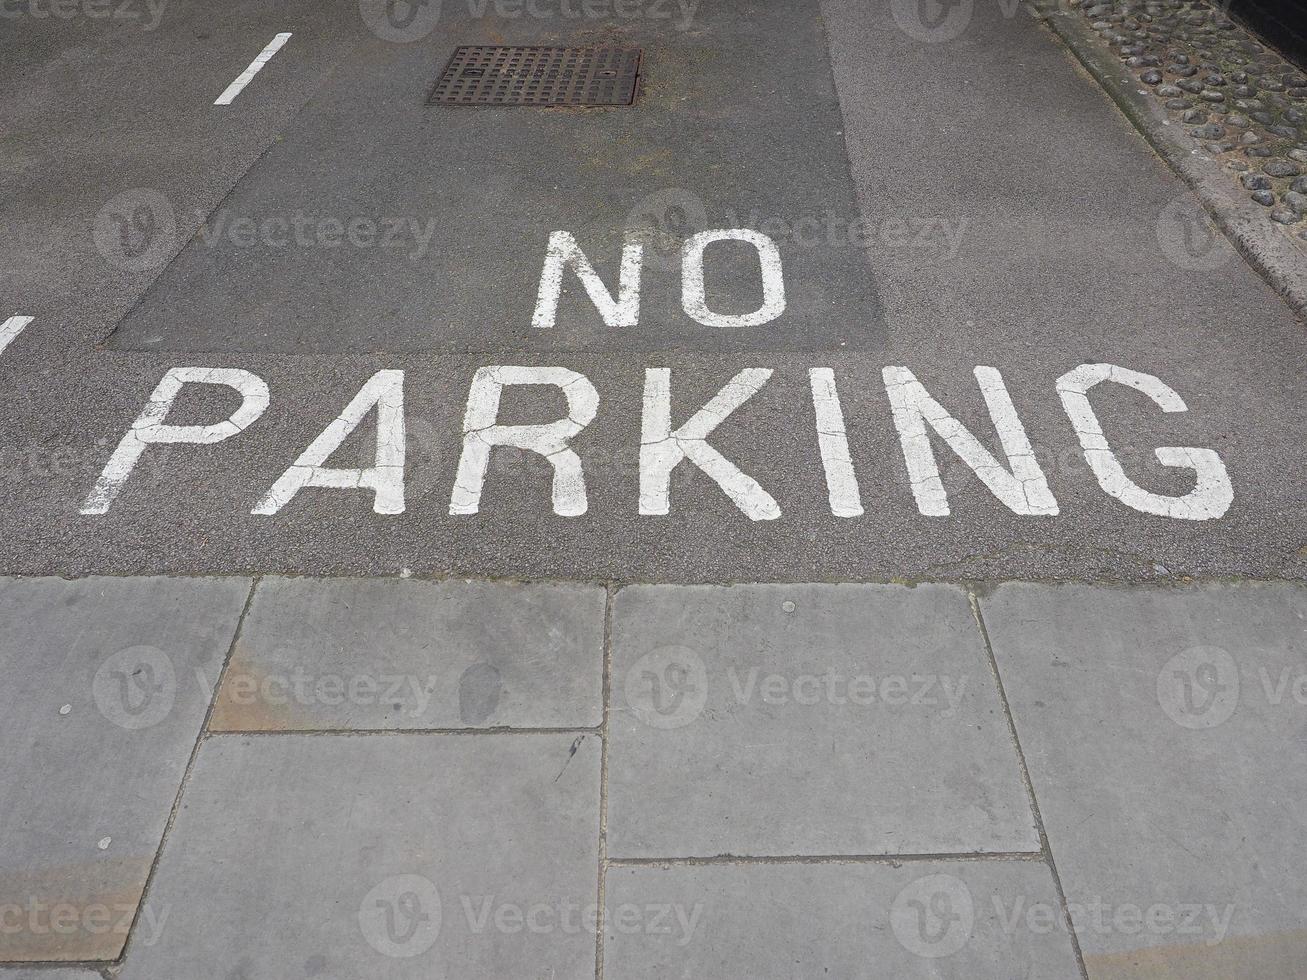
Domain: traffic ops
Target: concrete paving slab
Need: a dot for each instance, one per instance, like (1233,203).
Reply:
(400,856)
(406,654)
(107,682)
(807,720)
(1164,733)
(961,919)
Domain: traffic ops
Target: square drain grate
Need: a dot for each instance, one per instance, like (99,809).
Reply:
(504,74)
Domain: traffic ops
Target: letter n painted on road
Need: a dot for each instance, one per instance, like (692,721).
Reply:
(1021,486)
(563,251)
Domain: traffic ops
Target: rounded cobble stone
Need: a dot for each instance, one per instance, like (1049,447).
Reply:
(1238,99)
(1282,168)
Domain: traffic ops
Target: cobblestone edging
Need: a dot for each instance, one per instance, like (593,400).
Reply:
(1224,111)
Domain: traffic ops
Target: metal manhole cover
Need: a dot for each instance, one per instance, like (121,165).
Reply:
(504,74)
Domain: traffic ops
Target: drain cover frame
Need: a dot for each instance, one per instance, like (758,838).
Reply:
(538,75)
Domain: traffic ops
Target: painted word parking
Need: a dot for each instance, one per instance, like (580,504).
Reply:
(1017,480)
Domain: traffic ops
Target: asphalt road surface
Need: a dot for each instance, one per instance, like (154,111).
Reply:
(897,211)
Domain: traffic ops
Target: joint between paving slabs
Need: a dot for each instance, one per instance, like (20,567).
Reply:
(97,967)
(1046,849)
(393,732)
(186,775)
(610,597)
(892,860)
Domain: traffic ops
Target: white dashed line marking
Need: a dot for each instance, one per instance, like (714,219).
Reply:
(11,328)
(243,79)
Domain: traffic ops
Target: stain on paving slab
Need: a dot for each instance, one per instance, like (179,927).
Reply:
(1163,729)
(807,720)
(768,922)
(408,654)
(1242,956)
(107,684)
(404,856)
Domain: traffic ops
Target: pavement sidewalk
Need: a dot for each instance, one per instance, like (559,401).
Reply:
(301,777)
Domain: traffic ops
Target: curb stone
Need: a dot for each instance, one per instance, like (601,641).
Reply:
(1281,263)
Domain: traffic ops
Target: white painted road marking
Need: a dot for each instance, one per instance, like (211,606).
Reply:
(564,252)
(694,297)
(662,450)
(385,392)
(482,431)
(11,328)
(1212,493)
(149,428)
(243,79)
(833,440)
(1023,487)
(1017,480)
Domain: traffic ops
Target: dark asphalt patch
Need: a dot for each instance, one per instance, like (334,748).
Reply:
(737,125)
